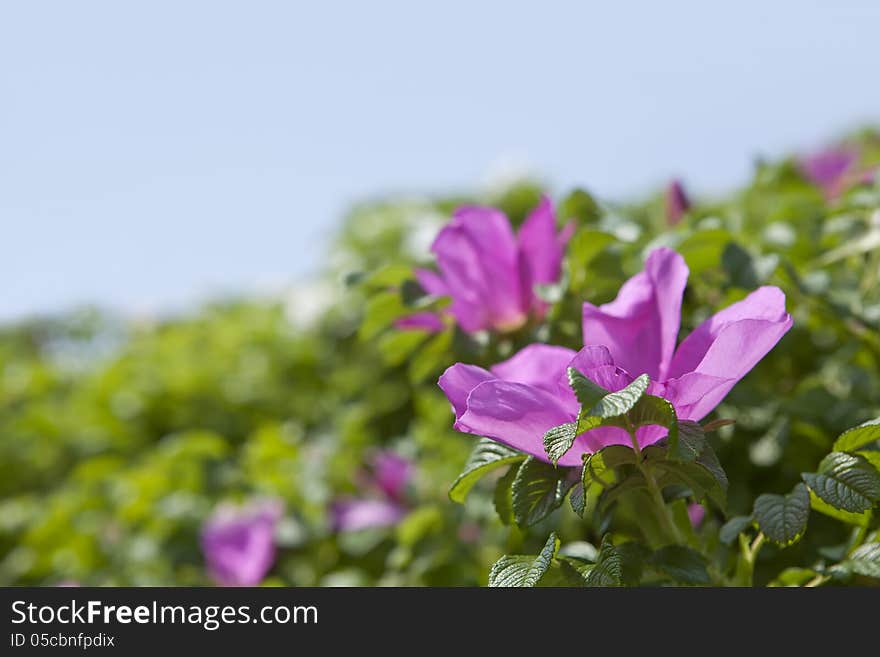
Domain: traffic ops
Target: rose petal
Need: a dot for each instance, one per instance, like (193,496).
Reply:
(431,282)
(539,365)
(640,326)
(514,414)
(457,382)
(540,252)
(477,255)
(424,321)
(766,305)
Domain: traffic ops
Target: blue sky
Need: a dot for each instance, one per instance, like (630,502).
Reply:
(154,153)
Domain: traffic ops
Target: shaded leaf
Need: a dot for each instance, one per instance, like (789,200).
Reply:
(486,456)
(521,570)
(682,564)
(845,481)
(733,528)
(783,518)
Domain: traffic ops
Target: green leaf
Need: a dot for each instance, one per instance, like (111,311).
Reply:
(696,477)
(783,519)
(558,440)
(397,345)
(858,437)
(486,456)
(382,309)
(617,403)
(521,570)
(652,410)
(865,560)
(871,457)
(387,276)
(581,205)
(682,564)
(577,499)
(733,528)
(690,442)
(538,489)
(503,497)
(858,519)
(633,557)
(588,393)
(582,249)
(608,570)
(431,357)
(794,577)
(845,481)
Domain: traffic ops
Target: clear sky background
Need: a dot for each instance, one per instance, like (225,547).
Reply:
(154,153)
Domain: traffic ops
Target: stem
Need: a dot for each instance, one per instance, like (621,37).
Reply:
(818,580)
(859,539)
(656,494)
(745,569)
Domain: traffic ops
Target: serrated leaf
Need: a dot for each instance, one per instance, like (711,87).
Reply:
(598,467)
(577,499)
(617,403)
(653,410)
(865,560)
(845,481)
(690,442)
(682,564)
(588,393)
(731,529)
(486,456)
(709,460)
(608,570)
(633,557)
(857,519)
(857,437)
(783,518)
(558,440)
(696,477)
(538,489)
(522,570)
(503,496)
(571,573)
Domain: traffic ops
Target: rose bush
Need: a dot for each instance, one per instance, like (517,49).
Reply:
(673,390)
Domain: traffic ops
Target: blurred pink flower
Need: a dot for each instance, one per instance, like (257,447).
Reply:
(489,271)
(835,170)
(696,513)
(389,477)
(677,202)
(239,542)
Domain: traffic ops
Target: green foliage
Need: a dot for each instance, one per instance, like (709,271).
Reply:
(783,518)
(486,456)
(537,490)
(122,435)
(524,571)
(845,481)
